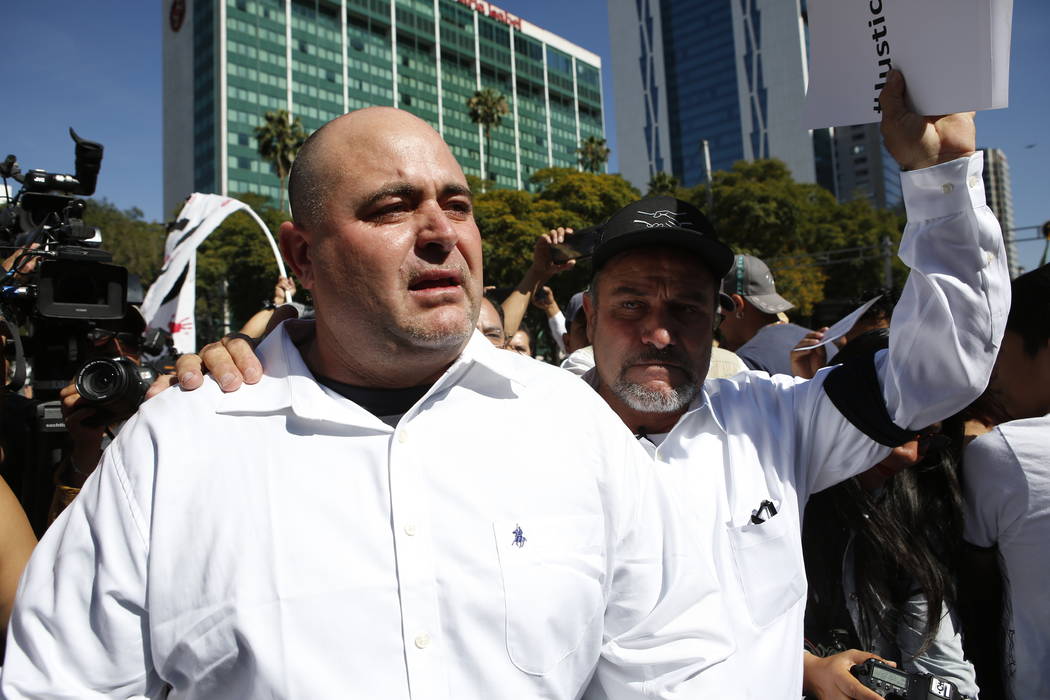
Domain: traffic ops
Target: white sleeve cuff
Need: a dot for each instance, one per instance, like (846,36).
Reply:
(945,189)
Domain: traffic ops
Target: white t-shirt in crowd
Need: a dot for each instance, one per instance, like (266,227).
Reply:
(1006,476)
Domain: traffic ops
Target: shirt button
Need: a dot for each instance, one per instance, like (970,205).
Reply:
(422,641)
(410,530)
(402,436)
(947,187)
(973,181)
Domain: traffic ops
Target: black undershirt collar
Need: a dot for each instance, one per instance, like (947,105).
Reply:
(388,405)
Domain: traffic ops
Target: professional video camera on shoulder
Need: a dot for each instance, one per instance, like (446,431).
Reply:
(73,281)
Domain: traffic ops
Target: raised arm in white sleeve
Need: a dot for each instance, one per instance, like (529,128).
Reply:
(944,334)
(949,322)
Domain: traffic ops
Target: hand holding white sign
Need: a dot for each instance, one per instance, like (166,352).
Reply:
(956,56)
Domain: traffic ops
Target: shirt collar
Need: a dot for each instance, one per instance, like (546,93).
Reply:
(287,383)
(703,403)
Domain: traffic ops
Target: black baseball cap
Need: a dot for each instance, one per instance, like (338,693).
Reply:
(656,221)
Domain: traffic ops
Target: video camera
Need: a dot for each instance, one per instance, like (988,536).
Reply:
(61,301)
(896,684)
(73,284)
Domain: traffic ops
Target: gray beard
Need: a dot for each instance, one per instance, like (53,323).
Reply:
(643,400)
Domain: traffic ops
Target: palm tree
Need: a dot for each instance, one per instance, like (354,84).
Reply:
(662,183)
(593,154)
(280,137)
(487,108)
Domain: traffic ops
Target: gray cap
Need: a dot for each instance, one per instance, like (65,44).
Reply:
(574,306)
(750,278)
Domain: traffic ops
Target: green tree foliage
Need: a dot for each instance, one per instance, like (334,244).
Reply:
(760,210)
(511,220)
(487,107)
(237,252)
(593,154)
(135,244)
(662,184)
(279,138)
(594,198)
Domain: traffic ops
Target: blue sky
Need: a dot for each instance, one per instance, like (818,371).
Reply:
(96,66)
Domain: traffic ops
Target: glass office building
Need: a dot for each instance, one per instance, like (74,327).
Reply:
(732,72)
(228,62)
(865,168)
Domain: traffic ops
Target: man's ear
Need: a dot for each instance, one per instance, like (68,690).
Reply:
(588,310)
(296,247)
(739,303)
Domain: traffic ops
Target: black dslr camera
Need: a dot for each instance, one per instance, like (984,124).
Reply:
(895,684)
(114,386)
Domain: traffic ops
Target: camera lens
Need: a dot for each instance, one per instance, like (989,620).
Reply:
(101,381)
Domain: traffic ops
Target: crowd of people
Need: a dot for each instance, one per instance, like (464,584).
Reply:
(663,489)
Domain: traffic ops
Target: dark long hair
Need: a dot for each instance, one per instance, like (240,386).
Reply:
(908,535)
(908,539)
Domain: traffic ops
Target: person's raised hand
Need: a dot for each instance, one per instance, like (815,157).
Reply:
(544,299)
(542,261)
(805,363)
(916,141)
(283,291)
(828,677)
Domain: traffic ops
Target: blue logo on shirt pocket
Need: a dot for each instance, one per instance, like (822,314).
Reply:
(553,588)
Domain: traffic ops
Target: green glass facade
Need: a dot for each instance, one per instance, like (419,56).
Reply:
(321,58)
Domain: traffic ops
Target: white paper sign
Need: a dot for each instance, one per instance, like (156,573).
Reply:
(841,327)
(955,56)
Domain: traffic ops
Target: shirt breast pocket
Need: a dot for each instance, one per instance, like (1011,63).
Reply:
(553,572)
(767,559)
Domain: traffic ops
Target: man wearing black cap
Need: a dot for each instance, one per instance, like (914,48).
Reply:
(763,444)
(753,329)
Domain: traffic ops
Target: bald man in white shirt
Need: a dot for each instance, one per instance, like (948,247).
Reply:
(355,524)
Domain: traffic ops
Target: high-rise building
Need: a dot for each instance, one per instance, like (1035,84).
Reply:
(228,62)
(864,168)
(1000,200)
(733,72)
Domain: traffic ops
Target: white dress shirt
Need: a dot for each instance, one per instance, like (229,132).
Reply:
(282,542)
(753,437)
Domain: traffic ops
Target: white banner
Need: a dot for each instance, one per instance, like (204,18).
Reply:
(955,56)
(171,299)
